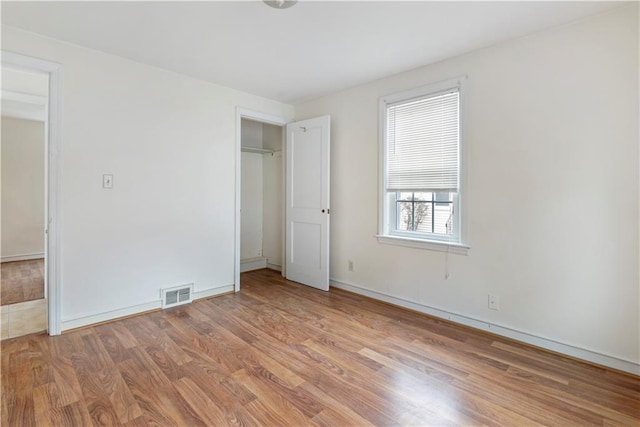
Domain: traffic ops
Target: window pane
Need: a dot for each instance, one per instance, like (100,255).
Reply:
(443,197)
(443,218)
(405,216)
(423,196)
(404,196)
(423,217)
(425,212)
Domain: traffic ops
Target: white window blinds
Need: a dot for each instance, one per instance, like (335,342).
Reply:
(422,143)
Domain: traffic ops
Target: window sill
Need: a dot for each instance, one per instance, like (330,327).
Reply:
(432,245)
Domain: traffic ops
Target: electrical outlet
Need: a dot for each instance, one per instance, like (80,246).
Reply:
(350,265)
(494,302)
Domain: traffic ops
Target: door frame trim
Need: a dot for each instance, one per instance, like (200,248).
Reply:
(53,170)
(244,113)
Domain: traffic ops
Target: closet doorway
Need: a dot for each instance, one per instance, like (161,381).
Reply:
(261,195)
(288,228)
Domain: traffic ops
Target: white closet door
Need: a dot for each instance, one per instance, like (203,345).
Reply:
(307,202)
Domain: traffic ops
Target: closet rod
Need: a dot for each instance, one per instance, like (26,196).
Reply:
(246,149)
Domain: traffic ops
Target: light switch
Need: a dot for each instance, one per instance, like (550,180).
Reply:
(107,181)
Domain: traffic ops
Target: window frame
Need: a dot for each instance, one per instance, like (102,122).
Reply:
(387,233)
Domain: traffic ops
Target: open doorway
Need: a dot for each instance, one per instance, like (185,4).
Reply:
(23,155)
(261,196)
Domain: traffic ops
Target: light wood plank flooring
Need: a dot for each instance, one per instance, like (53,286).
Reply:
(21,281)
(279,353)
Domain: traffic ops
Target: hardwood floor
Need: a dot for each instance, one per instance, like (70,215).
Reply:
(21,281)
(279,353)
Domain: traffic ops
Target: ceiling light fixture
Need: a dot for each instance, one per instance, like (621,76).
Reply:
(280,4)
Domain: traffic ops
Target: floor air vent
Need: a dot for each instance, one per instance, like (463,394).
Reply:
(177,296)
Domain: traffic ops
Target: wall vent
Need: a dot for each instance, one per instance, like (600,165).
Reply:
(177,295)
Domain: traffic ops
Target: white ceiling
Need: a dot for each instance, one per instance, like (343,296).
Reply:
(293,54)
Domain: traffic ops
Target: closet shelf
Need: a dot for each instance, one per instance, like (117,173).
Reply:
(246,149)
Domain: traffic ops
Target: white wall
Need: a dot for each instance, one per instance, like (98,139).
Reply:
(272,137)
(22,148)
(250,133)
(169,141)
(251,206)
(251,191)
(552,136)
(273,191)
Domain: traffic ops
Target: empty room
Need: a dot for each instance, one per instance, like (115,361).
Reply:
(332,213)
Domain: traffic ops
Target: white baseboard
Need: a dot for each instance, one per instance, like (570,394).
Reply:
(136,309)
(212,292)
(525,337)
(275,267)
(252,264)
(23,257)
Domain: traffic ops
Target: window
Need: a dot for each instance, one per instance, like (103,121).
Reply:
(421,194)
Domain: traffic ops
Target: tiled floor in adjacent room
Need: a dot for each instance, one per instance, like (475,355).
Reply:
(24,309)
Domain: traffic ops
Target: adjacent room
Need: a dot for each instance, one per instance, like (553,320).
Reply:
(320,213)
(22,147)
